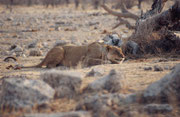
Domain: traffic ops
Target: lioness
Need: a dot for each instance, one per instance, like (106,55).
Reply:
(71,55)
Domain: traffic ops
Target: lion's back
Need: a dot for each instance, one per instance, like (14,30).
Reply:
(55,55)
(73,54)
(95,50)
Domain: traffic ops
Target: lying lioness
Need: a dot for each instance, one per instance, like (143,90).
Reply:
(71,55)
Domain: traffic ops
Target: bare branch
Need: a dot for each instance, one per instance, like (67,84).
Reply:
(122,21)
(124,15)
(156,8)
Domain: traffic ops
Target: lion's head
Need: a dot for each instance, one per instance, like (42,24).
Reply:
(114,53)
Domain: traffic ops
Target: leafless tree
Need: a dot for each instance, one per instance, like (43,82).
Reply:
(29,2)
(76,3)
(9,4)
(96,3)
(67,2)
(154,29)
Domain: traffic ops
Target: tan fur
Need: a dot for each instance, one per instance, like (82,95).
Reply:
(71,55)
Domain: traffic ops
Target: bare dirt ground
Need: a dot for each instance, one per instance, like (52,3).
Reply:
(26,25)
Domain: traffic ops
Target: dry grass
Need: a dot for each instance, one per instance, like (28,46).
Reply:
(136,78)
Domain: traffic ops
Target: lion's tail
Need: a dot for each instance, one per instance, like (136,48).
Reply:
(34,66)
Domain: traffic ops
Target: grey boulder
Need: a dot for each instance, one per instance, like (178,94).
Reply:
(111,83)
(66,84)
(22,93)
(63,114)
(164,90)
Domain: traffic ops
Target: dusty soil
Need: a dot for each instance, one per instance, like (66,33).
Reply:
(47,26)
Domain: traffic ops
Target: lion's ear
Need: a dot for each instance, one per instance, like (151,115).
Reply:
(108,47)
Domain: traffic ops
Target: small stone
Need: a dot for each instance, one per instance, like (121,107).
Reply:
(45,44)
(167,67)
(158,68)
(147,68)
(57,28)
(95,27)
(32,45)
(12,47)
(9,19)
(35,52)
(60,43)
(93,23)
(23,55)
(113,40)
(18,54)
(16,48)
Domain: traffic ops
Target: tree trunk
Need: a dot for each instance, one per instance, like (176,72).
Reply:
(154,30)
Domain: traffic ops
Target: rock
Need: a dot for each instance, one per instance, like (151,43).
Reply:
(133,47)
(60,23)
(111,83)
(60,43)
(164,90)
(17,54)
(65,91)
(12,47)
(158,68)
(9,19)
(98,102)
(167,67)
(105,112)
(91,23)
(24,93)
(105,105)
(130,98)
(147,68)
(74,40)
(158,108)
(63,24)
(15,36)
(18,49)
(95,72)
(70,29)
(113,40)
(63,114)
(66,84)
(35,52)
(57,28)
(45,45)
(32,45)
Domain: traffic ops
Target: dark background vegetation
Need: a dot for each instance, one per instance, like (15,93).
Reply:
(77,3)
